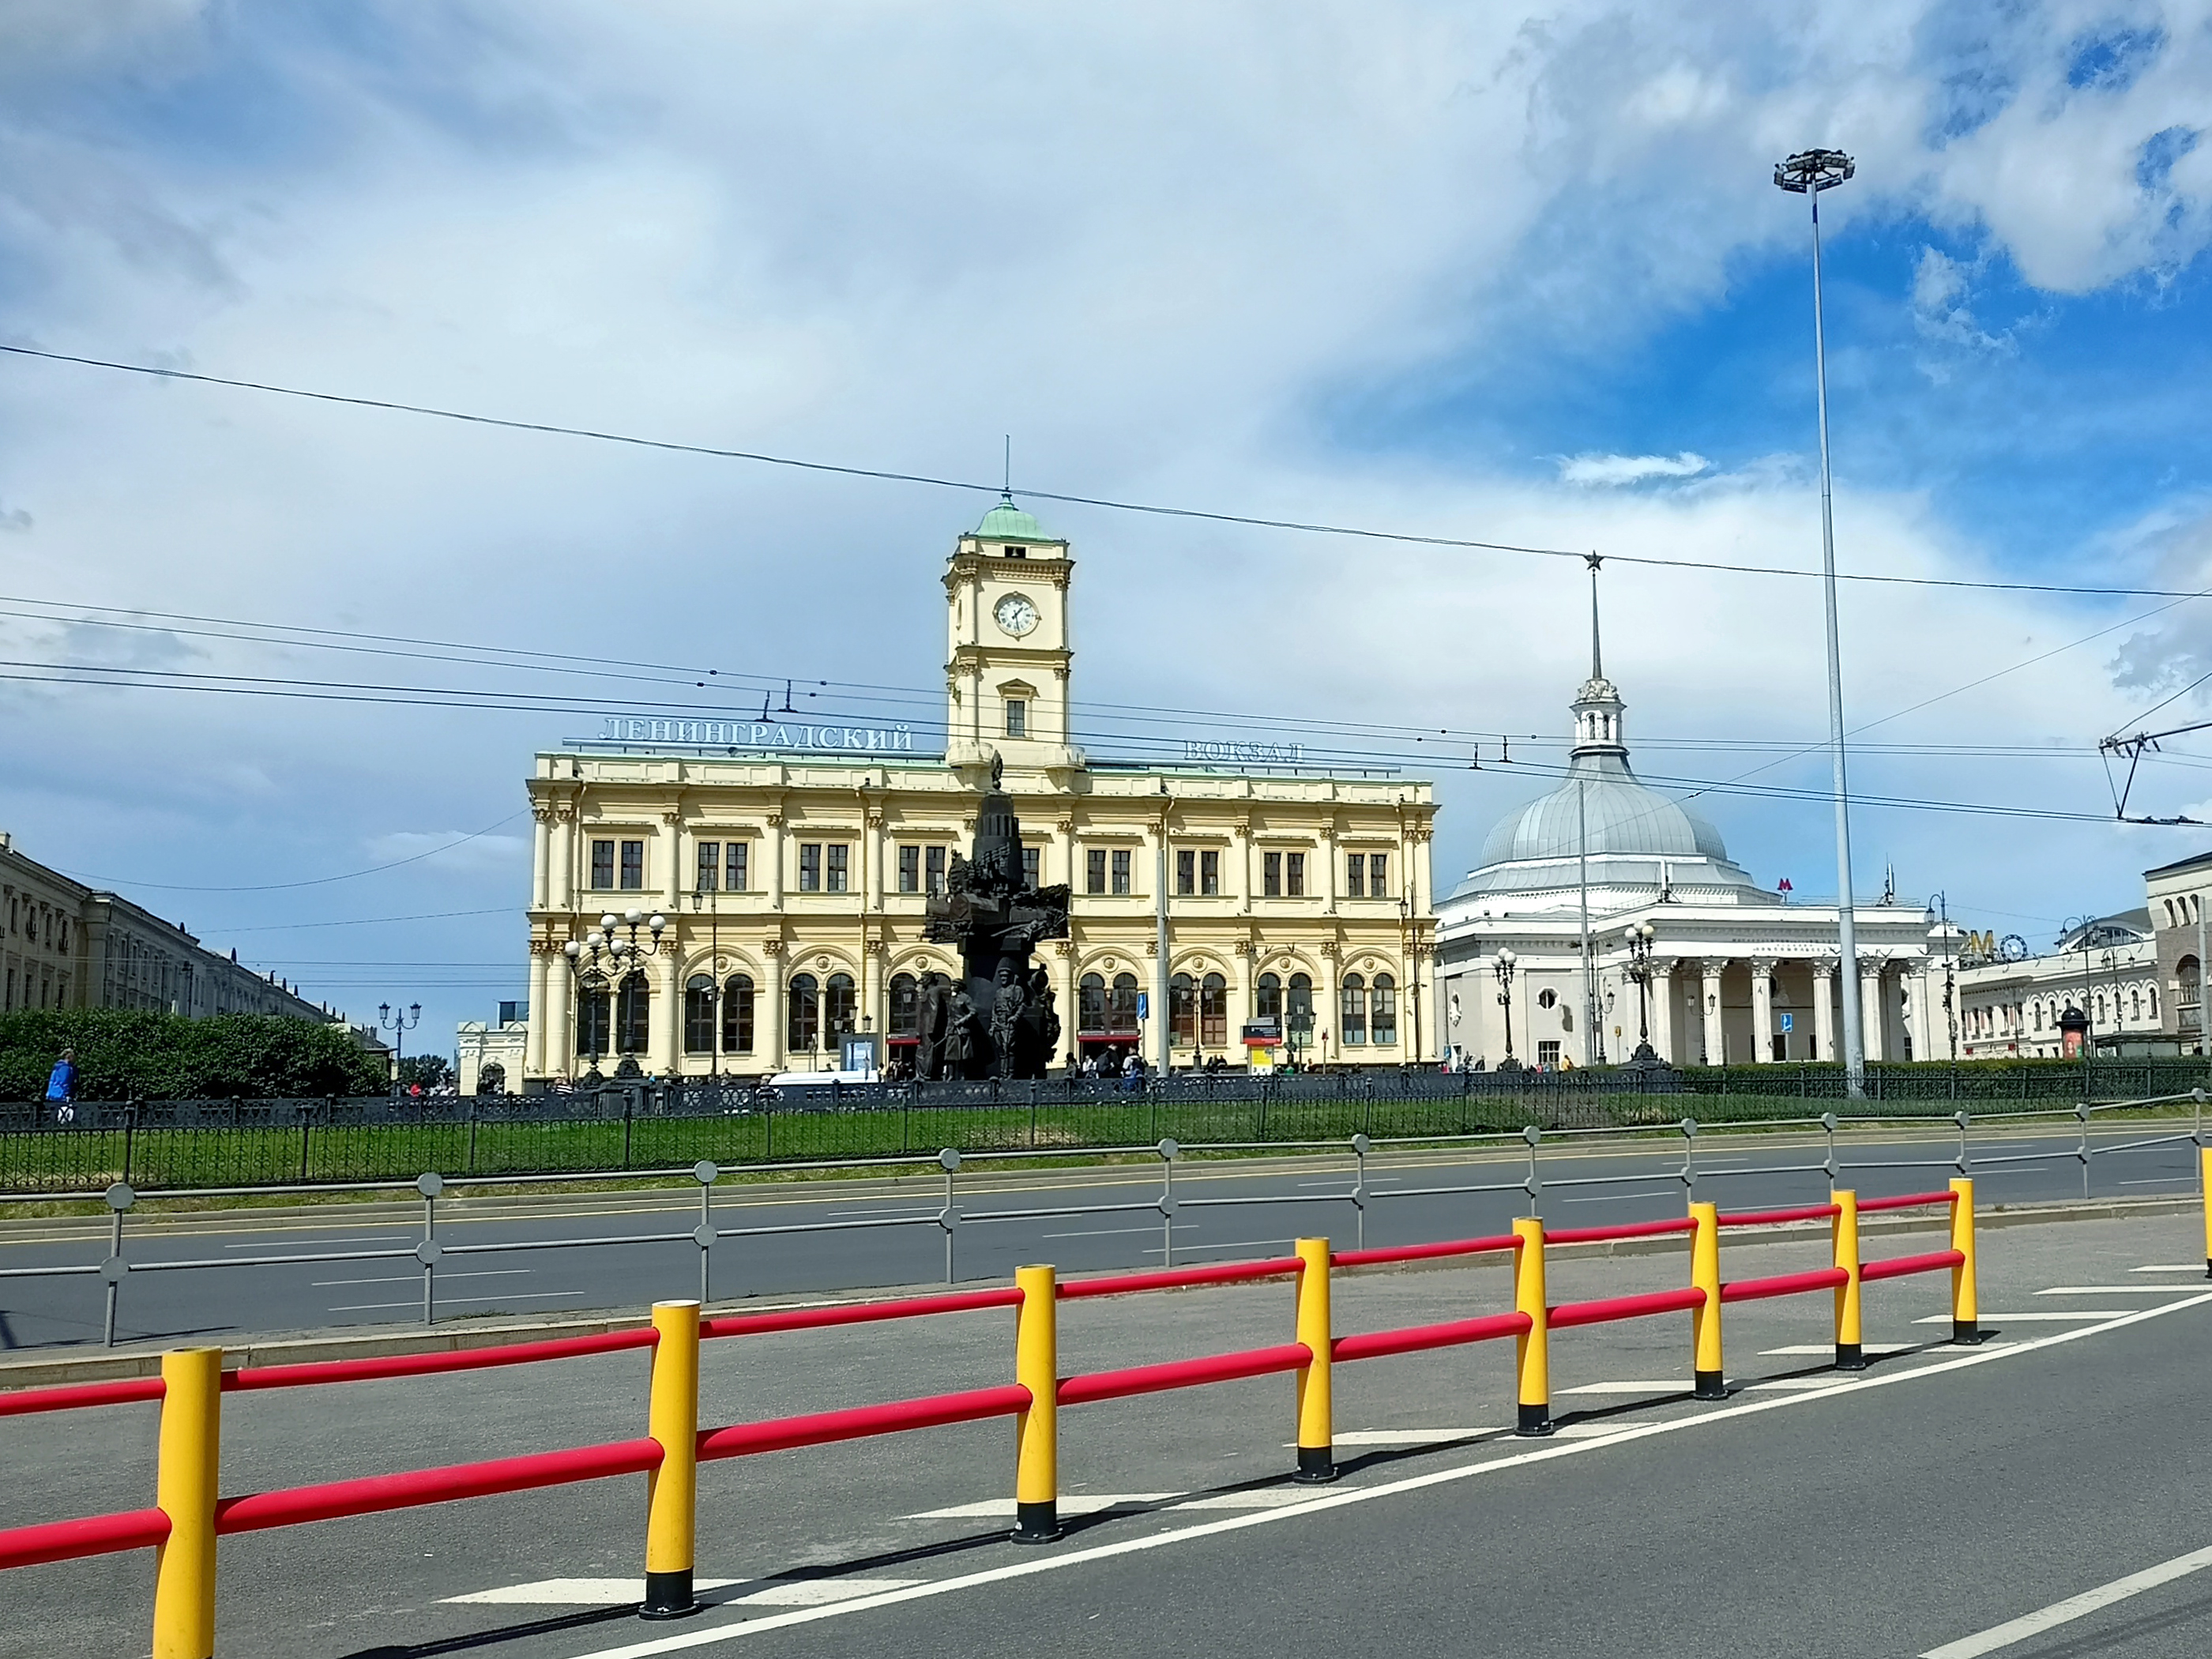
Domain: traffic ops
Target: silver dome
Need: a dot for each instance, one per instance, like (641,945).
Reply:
(1623,816)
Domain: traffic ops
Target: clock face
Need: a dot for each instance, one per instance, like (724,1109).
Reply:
(1016,614)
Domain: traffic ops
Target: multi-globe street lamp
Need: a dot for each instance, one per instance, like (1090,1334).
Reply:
(1503,969)
(609,955)
(1638,938)
(1939,916)
(1807,173)
(398,1021)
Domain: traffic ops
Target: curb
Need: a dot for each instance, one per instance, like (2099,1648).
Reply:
(309,1348)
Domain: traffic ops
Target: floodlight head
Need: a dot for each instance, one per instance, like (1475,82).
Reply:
(1814,170)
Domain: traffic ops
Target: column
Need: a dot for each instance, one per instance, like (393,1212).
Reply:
(1662,997)
(1874,1006)
(872,862)
(1330,995)
(541,855)
(773,856)
(768,1018)
(872,1005)
(560,1015)
(671,839)
(1709,1011)
(1823,1011)
(1244,868)
(1067,855)
(665,1015)
(565,841)
(1762,1010)
(1330,874)
(533,1053)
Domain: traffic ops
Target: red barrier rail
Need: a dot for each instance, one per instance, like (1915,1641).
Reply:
(1182,1374)
(1907,1201)
(1607,1309)
(250,1377)
(858,1313)
(824,1428)
(1424,1252)
(1416,1339)
(1219,1273)
(72,1541)
(1629,1230)
(1753,1289)
(334,1499)
(1778,1217)
(1899,1265)
(78,1394)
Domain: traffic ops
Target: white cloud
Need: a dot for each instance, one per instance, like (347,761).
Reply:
(1613,470)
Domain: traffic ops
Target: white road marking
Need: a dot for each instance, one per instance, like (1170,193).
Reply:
(523,1296)
(1344,1498)
(1258,1498)
(2114,1289)
(574,1593)
(1410,1436)
(1828,1381)
(416,1278)
(1615,1198)
(2046,1316)
(312,1243)
(1002,1509)
(1591,1430)
(2016,1630)
(2169,1267)
(1674,1386)
(819,1592)
(1813,1349)
(1117,1232)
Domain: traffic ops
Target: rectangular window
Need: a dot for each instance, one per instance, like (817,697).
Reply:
(1355,876)
(1295,878)
(909,869)
(936,866)
(1270,875)
(734,866)
(1378,878)
(1032,864)
(1094,870)
(1547,1054)
(710,866)
(633,865)
(1121,871)
(603,864)
(810,866)
(1185,873)
(835,881)
(1209,873)
(1018,717)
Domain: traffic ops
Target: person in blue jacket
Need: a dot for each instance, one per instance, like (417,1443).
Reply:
(61,1088)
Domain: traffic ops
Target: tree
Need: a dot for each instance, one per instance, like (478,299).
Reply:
(430,1070)
(123,1054)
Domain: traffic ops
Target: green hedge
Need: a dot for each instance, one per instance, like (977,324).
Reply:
(122,1054)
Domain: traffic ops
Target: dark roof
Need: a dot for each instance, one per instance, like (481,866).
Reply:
(2189,863)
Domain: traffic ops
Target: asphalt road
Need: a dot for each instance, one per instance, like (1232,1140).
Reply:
(1947,1492)
(494,1262)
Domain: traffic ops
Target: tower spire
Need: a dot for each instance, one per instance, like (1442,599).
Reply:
(1597,655)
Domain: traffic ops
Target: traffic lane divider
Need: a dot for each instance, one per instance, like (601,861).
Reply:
(1425,1251)
(1172,1279)
(1627,1229)
(1898,1267)
(247,1378)
(1606,1310)
(858,1313)
(373,1494)
(1907,1201)
(1182,1374)
(1418,1339)
(77,1395)
(1753,1290)
(858,1422)
(72,1540)
(1779,1218)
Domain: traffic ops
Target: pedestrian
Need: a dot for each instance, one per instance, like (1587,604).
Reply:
(61,1088)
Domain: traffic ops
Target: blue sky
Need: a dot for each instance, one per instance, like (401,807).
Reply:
(1458,269)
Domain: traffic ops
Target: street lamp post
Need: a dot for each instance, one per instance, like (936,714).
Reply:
(398,1021)
(1639,940)
(611,952)
(1503,969)
(1939,916)
(1807,173)
(709,899)
(2083,929)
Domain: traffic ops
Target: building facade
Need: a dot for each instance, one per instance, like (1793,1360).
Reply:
(2106,969)
(790,865)
(67,945)
(1735,973)
(2176,896)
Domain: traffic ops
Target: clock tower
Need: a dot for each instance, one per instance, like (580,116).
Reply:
(1006,670)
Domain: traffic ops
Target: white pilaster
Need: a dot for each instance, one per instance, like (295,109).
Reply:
(541,855)
(541,1009)
(1823,1011)
(1874,1008)
(1709,1011)
(1762,1010)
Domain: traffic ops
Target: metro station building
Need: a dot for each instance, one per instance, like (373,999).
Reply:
(791,862)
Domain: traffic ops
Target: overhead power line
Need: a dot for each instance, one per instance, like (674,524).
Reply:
(887,475)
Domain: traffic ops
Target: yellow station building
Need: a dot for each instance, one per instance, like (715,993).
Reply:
(789,862)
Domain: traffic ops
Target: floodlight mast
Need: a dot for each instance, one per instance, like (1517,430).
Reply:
(1807,173)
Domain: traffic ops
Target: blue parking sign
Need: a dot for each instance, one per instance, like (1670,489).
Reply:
(1788,1021)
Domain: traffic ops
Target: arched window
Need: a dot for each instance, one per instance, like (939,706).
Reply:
(1090,1004)
(2135,1004)
(1352,1020)
(634,1016)
(1300,1005)
(804,1032)
(492,1079)
(1121,1012)
(738,1014)
(2100,1005)
(906,1005)
(1182,1012)
(1382,1006)
(1213,1012)
(2153,1002)
(2039,1017)
(840,1010)
(1268,1002)
(699,1014)
(594,1026)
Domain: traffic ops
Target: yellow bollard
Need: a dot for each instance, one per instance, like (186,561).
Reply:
(2204,1186)
(1705,1318)
(1316,1407)
(671,1491)
(185,1488)
(1533,1349)
(1850,1351)
(1965,1310)
(1036,1429)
